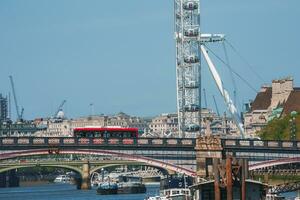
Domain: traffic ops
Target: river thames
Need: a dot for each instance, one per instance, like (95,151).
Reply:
(67,192)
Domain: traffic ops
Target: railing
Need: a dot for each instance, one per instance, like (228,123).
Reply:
(260,144)
(71,141)
(145,142)
(287,187)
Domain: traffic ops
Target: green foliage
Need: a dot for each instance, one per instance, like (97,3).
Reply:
(279,129)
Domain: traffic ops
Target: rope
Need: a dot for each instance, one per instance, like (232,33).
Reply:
(245,61)
(235,91)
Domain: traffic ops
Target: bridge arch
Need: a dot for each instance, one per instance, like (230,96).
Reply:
(271,163)
(123,156)
(72,168)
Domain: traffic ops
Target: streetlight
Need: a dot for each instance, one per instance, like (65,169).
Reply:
(92,108)
(293,129)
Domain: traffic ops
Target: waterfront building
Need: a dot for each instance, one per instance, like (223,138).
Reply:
(124,120)
(164,124)
(219,125)
(62,127)
(279,99)
(18,129)
(3,108)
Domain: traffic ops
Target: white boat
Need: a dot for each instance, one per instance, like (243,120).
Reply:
(173,194)
(298,196)
(173,188)
(157,198)
(62,179)
(274,197)
(177,194)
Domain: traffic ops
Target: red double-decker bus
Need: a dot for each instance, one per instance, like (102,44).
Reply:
(105,132)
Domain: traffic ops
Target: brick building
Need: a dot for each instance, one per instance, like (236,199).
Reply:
(281,98)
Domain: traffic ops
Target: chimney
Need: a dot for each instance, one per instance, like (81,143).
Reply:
(281,90)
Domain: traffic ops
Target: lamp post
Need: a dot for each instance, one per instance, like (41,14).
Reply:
(293,129)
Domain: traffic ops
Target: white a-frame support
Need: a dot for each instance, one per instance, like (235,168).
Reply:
(231,107)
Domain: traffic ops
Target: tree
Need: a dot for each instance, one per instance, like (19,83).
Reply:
(281,128)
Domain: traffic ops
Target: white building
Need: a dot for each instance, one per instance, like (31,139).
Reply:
(64,127)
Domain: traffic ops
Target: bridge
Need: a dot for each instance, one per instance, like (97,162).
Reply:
(180,152)
(283,188)
(170,154)
(260,154)
(188,156)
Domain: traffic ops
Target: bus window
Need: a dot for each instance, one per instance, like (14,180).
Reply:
(115,134)
(97,134)
(128,135)
(91,134)
(82,134)
(119,134)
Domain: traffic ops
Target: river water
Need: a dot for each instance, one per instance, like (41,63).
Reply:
(69,192)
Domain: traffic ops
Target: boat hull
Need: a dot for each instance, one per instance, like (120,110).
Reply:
(132,189)
(107,191)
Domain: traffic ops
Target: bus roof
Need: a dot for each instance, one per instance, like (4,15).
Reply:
(105,129)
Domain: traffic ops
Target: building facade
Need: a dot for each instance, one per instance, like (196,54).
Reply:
(64,127)
(3,108)
(279,99)
(165,125)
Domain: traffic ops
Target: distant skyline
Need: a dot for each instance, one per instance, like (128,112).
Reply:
(120,55)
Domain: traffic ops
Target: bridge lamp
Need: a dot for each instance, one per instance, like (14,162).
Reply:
(292,128)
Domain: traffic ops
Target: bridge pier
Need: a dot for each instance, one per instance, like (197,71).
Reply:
(266,178)
(3,180)
(207,149)
(86,183)
(13,179)
(9,179)
(171,172)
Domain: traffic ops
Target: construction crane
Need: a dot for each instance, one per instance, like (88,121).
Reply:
(19,115)
(216,105)
(205,99)
(59,108)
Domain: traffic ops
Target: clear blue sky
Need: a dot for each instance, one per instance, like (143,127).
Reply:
(120,55)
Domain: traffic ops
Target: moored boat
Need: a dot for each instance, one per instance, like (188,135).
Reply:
(107,188)
(174,188)
(130,185)
(274,197)
(62,179)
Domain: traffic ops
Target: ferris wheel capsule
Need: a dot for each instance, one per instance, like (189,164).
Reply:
(191,32)
(190,5)
(191,59)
